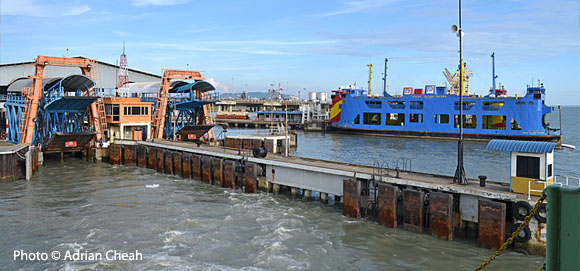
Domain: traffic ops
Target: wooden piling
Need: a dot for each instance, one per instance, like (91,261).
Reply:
(229,174)
(217,170)
(177,164)
(413,210)
(129,155)
(351,192)
(186,165)
(492,220)
(441,215)
(196,166)
(169,162)
(387,205)
(142,156)
(151,157)
(250,178)
(114,154)
(206,169)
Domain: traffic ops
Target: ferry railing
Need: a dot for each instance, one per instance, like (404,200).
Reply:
(567,183)
(404,164)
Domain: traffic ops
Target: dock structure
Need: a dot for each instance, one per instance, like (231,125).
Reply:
(418,202)
(18,160)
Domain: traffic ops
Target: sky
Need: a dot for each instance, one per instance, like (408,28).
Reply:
(249,45)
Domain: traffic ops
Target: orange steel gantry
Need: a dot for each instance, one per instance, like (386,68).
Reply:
(34,96)
(163,97)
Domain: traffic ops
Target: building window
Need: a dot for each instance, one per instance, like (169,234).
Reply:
(357,119)
(549,170)
(528,167)
(374,104)
(493,122)
(469,121)
(416,118)
(514,125)
(372,118)
(395,119)
(442,118)
(108,109)
(115,113)
(135,110)
(416,105)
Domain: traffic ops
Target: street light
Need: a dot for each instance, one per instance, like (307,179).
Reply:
(460,176)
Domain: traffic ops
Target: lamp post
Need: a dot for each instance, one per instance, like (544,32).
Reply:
(460,176)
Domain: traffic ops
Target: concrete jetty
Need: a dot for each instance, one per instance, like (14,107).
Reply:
(419,202)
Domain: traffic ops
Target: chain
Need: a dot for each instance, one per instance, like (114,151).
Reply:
(513,236)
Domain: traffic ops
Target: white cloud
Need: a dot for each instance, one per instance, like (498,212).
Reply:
(143,3)
(357,6)
(44,9)
(221,88)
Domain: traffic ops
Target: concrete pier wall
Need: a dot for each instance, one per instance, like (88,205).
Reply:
(421,203)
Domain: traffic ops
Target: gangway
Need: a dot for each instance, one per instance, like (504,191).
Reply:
(183,105)
(48,106)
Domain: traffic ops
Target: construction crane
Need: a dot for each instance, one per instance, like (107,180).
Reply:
(454,81)
(34,95)
(163,97)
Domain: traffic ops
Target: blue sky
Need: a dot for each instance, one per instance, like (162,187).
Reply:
(317,45)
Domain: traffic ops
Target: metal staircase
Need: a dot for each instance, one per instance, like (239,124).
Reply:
(98,91)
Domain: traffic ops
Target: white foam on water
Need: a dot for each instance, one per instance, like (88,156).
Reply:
(152,185)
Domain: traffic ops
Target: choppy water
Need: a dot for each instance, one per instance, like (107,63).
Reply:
(182,224)
(179,224)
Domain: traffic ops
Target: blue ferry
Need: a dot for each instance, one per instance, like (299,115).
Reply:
(435,113)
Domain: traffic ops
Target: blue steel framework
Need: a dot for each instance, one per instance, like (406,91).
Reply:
(184,108)
(62,109)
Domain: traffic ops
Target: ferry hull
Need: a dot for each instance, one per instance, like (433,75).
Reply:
(440,135)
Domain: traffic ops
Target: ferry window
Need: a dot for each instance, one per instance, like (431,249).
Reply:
(357,119)
(531,103)
(469,121)
(549,170)
(115,112)
(492,106)
(416,105)
(466,105)
(493,122)
(528,167)
(442,118)
(395,119)
(416,118)
(372,118)
(520,103)
(514,125)
(397,104)
(374,104)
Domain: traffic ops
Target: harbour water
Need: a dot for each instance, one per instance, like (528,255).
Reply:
(433,155)
(182,224)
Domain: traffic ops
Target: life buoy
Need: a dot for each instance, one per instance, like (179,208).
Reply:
(524,235)
(521,209)
(541,213)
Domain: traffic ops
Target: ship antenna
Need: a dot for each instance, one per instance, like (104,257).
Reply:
(460,176)
(370,73)
(385,78)
(493,72)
